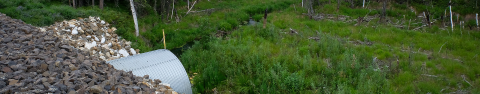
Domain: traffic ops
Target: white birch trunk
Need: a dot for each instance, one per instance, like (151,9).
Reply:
(134,17)
(188,3)
(451,17)
(363,5)
(476,18)
(173,8)
(302,3)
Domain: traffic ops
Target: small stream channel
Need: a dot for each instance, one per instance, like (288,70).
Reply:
(179,50)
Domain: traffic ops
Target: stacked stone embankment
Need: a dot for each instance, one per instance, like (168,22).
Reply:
(39,61)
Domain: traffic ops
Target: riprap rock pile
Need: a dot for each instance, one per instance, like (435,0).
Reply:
(39,62)
(93,35)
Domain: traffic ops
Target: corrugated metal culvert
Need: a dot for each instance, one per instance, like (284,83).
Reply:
(159,64)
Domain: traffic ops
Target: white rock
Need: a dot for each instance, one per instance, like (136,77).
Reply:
(111,52)
(72,25)
(123,52)
(108,35)
(165,84)
(74,31)
(96,39)
(94,52)
(92,19)
(105,46)
(133,51)
(103,58)
(102,22)
(113,29)
(66,30)
(90,45)
(103,39)
(88,37)
(42,29)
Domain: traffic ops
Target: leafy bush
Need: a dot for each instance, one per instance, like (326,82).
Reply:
(225,26)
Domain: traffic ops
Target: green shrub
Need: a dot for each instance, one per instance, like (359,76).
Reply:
(225,26)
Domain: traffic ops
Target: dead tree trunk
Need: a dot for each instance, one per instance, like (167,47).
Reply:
(427,17)
(101,4)
(363,5)
(309,7)
(162,4)
(338,8)
(351,4)
(80,3)
(338,5)
(384,13)
(476,19)
(155,7)
(134,17)
(173,7)
(74,4)
(93,2)
(451,15)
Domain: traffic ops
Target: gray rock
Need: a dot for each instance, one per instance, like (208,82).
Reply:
(96,89)
(6,40)
(6,69)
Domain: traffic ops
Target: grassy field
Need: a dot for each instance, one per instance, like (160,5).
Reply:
(296,54)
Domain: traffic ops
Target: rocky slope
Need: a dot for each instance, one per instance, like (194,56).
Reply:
(94,35)
(39,61)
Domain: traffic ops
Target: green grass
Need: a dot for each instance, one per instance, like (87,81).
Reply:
(251,56)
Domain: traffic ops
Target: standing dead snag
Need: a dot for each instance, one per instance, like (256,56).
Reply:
(74,4)
(363,5)
(191,7)
(476,19)
(427,18)
(101,4)
(155,7)
(134,17)
(451,17)
(338,7)
(173,7)
(265,19)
